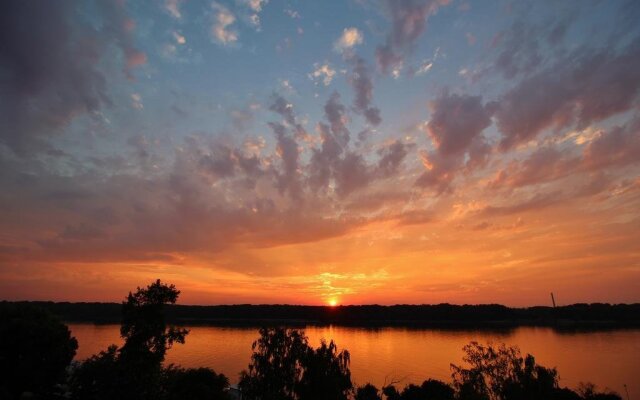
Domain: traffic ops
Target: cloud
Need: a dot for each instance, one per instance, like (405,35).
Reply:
(255,6)
(281,106)
(173,8)
(52,72)
(391,157)
(535,203)
(455,128)
(179,38)
(350,38)
(616,148)
(543,165)
(425,67)
(582,87)
(136,101)
(456,120)
(221,28)
(327,161)
(408,22)
(335,167)
(363,91)
(619,147)
(292,13)
(121,27)
(323,73)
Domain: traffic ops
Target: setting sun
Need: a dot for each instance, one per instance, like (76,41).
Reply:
(332,302)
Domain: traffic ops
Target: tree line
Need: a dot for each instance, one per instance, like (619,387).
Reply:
(36,353)
(580,315)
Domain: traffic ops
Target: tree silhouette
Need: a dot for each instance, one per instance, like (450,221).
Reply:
(283,366)
(135,370)
(194,384)
(367,392)
(588,391)
(501,373)
(326,374)
(430,389)
(275,367)
(35,350)
(144,329)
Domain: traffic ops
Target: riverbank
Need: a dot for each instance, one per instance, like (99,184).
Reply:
(493,316)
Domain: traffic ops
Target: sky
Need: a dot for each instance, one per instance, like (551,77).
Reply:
(321,152)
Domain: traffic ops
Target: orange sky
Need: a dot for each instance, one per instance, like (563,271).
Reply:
(255,152)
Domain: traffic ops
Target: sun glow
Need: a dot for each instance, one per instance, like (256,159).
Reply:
(332,302)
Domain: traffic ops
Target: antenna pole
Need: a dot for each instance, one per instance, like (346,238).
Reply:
(553,300)
(626,390)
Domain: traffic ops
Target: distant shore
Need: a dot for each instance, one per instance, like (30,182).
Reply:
(446,316)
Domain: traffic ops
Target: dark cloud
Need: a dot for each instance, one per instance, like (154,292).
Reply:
(455,128)
(333,162)
(287,150)
(352,174)
(456,120)
(335,165)
(408,22)
(281,106)
(336,113)
(49,67)
(582,87)
(363,92)
(391,157)
(519,48)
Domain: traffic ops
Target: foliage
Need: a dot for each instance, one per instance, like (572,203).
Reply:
(367,392)
(283,366)
(275,367)
(430,389)
(144,328)
(99,377)
(326,373)
(501,373)
(135,370)
(194,384)
(588,391)
(35,350)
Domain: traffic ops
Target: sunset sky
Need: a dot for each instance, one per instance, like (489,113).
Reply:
(316,152)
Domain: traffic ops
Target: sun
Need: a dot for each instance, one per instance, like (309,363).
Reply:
(332,302)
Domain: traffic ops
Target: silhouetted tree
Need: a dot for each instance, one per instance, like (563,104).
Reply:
(434,389)
(35,350)
(194,384)
(326,374)
(367,392)
(283,366)
(275,367)
(501,373)
(135,370)
(588,391)
(430,389)
(99,377)
(144,329)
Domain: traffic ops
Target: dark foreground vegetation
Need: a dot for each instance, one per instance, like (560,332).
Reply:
(36,352)
(444,315)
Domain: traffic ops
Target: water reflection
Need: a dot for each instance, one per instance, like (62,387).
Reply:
(379,355)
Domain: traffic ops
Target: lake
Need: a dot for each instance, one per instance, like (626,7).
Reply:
(606,358)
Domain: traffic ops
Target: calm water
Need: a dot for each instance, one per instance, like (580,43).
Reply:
(608,359)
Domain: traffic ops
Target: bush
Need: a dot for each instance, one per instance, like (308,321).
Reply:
(35,350)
